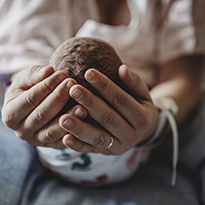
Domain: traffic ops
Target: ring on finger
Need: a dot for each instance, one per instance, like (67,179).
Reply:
(111,143)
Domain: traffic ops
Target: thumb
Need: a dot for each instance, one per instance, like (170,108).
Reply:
(134,83)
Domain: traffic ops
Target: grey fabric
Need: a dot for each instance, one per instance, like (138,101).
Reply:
(15,161)
(151,185)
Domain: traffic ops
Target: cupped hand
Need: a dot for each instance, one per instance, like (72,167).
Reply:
(130,119)
(31,103)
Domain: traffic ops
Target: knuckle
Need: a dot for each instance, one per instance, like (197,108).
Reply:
(20,135)
(32,70)
(50,136)
(58,145)
(61,96)
(103,85)
(79,147)
(79,131)
(93,149)
(119,100)
(109,120)
(41,117)
(9,121)
(100,140)
(31,100)
(89,102)
(30,73)
(46,87)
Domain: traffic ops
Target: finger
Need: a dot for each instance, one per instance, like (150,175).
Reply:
(75,144)
(111,120)
(15,110)
(132,80)
(29,77)
(123,102)
(25,79)
(89,138)
(49,107)
(51,135)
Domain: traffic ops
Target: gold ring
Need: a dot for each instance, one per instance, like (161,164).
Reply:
(111,143)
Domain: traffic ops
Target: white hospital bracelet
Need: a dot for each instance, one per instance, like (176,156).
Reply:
(170,108)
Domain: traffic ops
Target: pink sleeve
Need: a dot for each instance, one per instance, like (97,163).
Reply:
(30,31)
(183,31)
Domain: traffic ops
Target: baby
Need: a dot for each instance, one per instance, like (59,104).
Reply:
(75,56)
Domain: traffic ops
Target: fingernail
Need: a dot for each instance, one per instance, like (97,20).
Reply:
(69,85)
(128,71)
(91,76)
(79,113)
(77,93)
(70,143)
(68,124)
(60,78)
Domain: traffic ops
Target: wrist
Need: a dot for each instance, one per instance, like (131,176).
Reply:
(155,138)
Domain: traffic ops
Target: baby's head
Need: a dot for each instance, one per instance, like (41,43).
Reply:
(77,55)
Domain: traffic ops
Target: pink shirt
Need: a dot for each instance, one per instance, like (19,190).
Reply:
(31,30)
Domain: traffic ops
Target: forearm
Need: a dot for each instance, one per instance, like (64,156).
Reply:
(182,81)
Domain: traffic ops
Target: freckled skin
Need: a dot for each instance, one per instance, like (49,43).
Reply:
(77,55)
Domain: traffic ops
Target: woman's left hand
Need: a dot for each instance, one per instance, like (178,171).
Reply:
(134,119)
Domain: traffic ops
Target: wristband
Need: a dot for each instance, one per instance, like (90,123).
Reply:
(170,108)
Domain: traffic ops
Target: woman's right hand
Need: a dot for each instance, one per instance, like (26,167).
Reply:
(32,101)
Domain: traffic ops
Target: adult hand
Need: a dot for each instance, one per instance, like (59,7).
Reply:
(132,121)
(34,98)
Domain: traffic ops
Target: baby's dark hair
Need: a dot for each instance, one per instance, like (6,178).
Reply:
(77,55)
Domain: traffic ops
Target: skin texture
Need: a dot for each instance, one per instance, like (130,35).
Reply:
(42,92)
(38,94)
(76,55)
